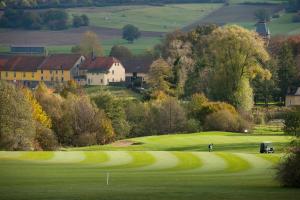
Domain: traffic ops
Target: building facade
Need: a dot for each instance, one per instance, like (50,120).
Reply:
(101,71)
(30,70)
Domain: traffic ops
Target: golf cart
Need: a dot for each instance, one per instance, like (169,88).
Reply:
(266,147)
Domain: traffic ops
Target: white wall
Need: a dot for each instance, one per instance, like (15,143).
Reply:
(116,73)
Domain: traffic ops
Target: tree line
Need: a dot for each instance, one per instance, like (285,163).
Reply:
(51,19)
(80,3)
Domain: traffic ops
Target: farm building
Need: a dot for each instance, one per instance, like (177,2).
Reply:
(101,71)
(60,67)
(137,71)
(293,98)
(38,50)
(30,70)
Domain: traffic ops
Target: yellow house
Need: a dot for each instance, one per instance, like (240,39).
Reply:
(60,67)
(21,69)
(30,70)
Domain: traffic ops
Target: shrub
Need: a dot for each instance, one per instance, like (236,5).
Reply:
(292,123)
(46,138)
(296,18)
(288,171)
(86,139)
(222,120)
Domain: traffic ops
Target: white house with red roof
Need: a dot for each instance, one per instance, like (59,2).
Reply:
(101,71)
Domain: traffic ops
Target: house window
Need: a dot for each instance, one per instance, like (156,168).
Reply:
(24,74)
(108,80)
(6,74)
(32,74)
(15,74)
(62,79)
(101,80)
(42,78)
(50,71)
(62,71)
(56,72)
(113,80)
(42,71)
(52,79)
(113,72)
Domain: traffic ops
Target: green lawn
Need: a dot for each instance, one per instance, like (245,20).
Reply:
(120,92)
(149,18)
(171,167)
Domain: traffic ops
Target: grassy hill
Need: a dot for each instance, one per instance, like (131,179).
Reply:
(160,167)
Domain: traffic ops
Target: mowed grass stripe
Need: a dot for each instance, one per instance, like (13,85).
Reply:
(234,163)
(211,162)
(274,158)
(116,158)
(186,161)
(163,160)
(4,155)
(67,157)
(95,157)
(36,156)
(139,160)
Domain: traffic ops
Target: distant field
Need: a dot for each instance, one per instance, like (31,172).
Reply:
(148,18)
(138,47)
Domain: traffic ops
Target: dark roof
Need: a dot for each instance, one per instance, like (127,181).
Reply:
(22,63)
(138,65)
(262,29)
(60,61)
(99,64)
(4,59)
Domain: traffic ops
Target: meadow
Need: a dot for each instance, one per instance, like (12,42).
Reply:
(155,167)
(147,18)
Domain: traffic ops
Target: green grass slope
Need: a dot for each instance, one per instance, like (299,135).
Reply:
(223,141)
(139,175)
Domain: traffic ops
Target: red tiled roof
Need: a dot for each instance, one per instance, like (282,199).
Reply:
(22,63)
(60,61)
(99,63)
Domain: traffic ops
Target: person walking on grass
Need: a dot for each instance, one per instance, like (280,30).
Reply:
(210,147)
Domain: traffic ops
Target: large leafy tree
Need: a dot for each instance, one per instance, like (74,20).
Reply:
(130,33)
(17,128)
(159,76)
(287,70)
(89,45)
(237,56)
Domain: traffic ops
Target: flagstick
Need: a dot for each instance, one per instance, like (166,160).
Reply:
(107,178)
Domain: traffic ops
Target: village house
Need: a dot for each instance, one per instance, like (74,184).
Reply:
(30,70)
(101,71)
(60,67)
(137,71)
(293,98)
(21,69)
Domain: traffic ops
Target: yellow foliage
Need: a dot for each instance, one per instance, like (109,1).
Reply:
(38,113)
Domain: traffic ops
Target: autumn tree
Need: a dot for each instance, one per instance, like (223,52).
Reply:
(237,56)
(89,45)
(159,76)
(17,127)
